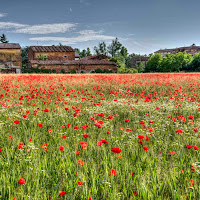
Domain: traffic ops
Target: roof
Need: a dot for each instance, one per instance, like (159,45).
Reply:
(178,49)
(51,48)
(77,55)
(10,46)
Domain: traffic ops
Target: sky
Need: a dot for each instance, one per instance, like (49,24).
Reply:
(142,26)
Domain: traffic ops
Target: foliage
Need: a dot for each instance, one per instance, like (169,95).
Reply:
(194,64)
(41,57)
(140,67)
(101,49)
(114,47)
(3,38)
(101,71)
(24,55)
(126,70)
(124,52)
(153,63)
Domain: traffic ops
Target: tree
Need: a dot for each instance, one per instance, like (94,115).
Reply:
(195,63)
(153,63)
(3,38)
(101,49)
(124,52)
(140,67)
(114,47)
(88,52)
(24,55)
(77,50)
(83,53)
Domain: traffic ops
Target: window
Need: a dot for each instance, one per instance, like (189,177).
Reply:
(64,56)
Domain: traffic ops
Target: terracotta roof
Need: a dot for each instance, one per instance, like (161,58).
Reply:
(178,49)
(9,46)
(51,48)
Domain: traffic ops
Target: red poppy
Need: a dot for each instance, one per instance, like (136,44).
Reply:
(147,138)
(196,147)
(85,135)
(77,152)
(83,145)
(61,193)
(191,181)
(188,146)
(24,116)
(104,141)
(146,148)
(127,120)
(80,183)
(76,127)
(99,143)
(80,162)
(179,131)
(61,148)
(1,150)
(21,181)
(10,137)
(113,172)
(141,137)
(17,122)
(30,139)
(116,150)
(191,117)
(64,136)
(40,125)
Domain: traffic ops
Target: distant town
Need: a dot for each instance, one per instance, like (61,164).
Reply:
(111,59)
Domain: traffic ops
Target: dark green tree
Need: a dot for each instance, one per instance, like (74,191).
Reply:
(114,47)
(101,49)
(153,63)
(3,38)
(88,52)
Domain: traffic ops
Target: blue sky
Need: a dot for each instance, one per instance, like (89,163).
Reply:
(143,26)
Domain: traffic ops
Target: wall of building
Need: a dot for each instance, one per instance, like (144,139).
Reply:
(10,55)
(79,69)
(55,55)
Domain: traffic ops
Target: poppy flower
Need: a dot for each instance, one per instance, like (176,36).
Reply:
(191,117)
(61,148)
(61,193)
(116,150)
(80,183)
(21,181)
(85,135)
(113,172)
(24,116)
(179,131)
(76,128)
(50,130)
(1,150)
(141,137)
(40,125)
(146,148)
(104,141)
(80,162)
(99,143)
(83,145)
(196,147)
(188,146)
(64,137)
(127,120)
(17,122)
(77,152)
(10,137)
(30,139)
(90,198)
(191,181)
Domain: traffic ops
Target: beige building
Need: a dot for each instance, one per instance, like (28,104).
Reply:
(10,58)
(193,49)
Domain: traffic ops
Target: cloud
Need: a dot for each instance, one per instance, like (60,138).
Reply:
(37,29)
(3,14)
(84,36)
(85,2)
(46,28)
(10,25)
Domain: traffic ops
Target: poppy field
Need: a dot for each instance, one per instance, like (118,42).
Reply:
(100,137)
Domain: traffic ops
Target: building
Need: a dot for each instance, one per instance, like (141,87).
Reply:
(193,49)
(10,58)
(64,59)
(136,60)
